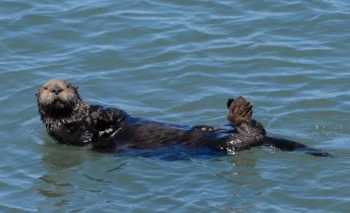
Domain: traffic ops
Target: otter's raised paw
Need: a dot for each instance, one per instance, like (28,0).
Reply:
(240,111)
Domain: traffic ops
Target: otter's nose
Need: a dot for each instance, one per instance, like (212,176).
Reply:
(56,90)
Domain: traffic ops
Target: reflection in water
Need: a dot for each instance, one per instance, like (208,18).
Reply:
(244,160)
(62,157)
(71,171)
(61,164)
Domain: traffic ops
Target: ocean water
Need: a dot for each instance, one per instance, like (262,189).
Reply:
(178,61)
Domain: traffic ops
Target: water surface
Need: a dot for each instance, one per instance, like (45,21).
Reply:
(178,61)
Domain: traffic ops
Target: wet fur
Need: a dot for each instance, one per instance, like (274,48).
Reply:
(70,120)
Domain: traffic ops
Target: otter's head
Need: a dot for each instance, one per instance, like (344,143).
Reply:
(57,98)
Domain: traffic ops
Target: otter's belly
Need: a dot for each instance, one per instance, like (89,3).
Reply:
(148,135)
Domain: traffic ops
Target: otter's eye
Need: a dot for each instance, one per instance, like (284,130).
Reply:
(45,88)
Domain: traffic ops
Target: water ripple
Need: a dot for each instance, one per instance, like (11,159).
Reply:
(178,61)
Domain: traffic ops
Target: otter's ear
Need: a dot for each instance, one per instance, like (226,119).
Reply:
(72,86)
(37,93)
(75,88)
(229,101)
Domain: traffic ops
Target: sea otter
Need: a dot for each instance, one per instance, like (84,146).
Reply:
(70,120)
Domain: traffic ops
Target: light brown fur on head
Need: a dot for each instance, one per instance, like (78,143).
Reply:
(57,97)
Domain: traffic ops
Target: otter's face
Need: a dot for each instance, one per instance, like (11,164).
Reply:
(57,97)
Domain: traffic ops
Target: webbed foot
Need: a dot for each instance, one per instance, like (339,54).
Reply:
(240,111)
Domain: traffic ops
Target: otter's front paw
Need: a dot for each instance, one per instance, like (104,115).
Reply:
(240,111)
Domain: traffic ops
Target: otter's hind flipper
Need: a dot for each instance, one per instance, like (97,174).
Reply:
(239,111)
(288,145)
(229,101)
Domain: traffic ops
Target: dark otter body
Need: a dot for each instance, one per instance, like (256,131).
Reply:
(113,129)
(71,121)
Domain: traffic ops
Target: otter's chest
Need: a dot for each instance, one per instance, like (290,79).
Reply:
(69,132)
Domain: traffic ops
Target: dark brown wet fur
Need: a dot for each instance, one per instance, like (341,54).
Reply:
(70,120)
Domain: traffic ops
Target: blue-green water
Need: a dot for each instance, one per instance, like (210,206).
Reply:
(178,61)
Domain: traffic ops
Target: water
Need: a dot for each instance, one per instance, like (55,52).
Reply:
(178,61)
